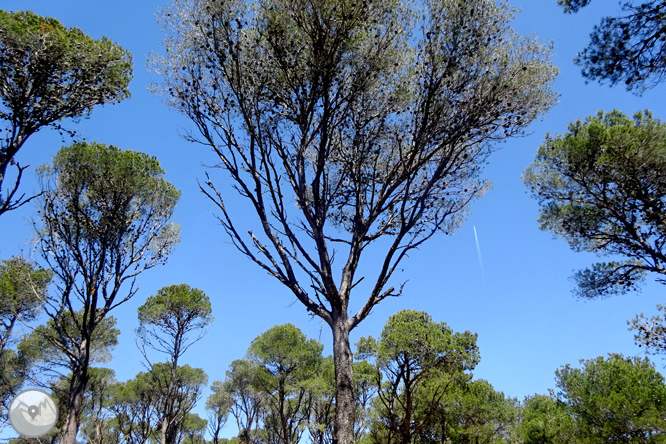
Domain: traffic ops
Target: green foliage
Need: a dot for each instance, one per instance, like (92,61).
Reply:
(192,430)
(177,392)
(133,406)
(22,296)
(55,65)
(103,219)
(14,369)
(97,424)
(601,188)
(365,390)
(629,48)
(411,340)
(175,306)
(241,386)
(108,213)
(105,215)
(218,405)
(47,73)
(322,402)
(614,400)
(417,362)
(165,320)
(287,363)
(285,354)
(478,413)
(54,346)
(22,292)
(545,420)
(163,394)
(174,312)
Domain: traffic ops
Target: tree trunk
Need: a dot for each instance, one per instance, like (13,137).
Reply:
(169,425)
(163,429)
(345,406)
(77,388)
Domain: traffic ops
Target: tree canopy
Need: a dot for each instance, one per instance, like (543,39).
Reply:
(630,48)
(544,420)
(165,322)
(417,362)
(651,333)
(601,187)
(167,318)
(287,361)
(616,399)
(48,73)
(22,294)
(104,218)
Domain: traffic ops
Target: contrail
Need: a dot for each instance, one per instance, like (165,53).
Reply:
(478,250)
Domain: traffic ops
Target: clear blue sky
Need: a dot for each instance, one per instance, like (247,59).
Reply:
(527,320)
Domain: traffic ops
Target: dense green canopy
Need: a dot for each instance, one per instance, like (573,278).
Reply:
(49,72)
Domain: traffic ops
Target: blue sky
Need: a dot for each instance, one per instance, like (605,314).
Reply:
(527,320)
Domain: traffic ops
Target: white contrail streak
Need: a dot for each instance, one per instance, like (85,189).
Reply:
(478,250)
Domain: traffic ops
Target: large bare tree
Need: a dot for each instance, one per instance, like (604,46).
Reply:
(345,124)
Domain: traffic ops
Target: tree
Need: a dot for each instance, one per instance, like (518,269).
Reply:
(165,322)
(22,293)
(167,319)
(614,400)
(178,392)
(49,347)
(322,403)
(476,413)
(137,406)
(240,385)
(133,408)
(103,219)
(49,73)
(218,406)
(365,391)
(338,133)
(192,430)
(57,388)
(287,362)
(544,420)
(629,48)
(600,187)
(48,353)
(322,400)
(417,361)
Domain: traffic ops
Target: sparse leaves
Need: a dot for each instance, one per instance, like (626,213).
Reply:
(339,131)
(628,49)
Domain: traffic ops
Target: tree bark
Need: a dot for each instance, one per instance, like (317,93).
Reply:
(77,388)
(167,432)
(343,432)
